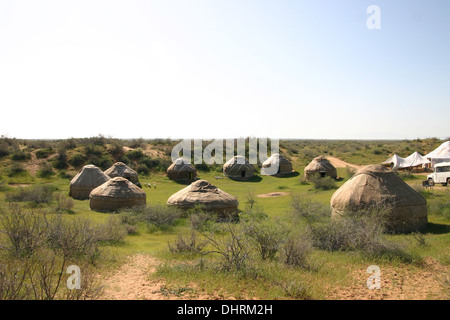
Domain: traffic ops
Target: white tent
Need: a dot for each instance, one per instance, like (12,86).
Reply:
(440,154)
(414,160)
(394,162)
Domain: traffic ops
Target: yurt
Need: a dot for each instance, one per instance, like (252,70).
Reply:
(282,165)
(180,169)
(117,193)
(120,169)
(89,178)
(238,168)
(374,186)
(203,193)
(320,166)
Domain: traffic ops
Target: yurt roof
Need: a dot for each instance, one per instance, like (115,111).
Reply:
(89,176)
(118,187)
(202,192)
(372,185)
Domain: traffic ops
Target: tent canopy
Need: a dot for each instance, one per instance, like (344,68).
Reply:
(413,160)
(440,154)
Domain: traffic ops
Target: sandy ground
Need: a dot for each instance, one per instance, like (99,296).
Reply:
(273,194)
(338,163)
(405,283)
(33,165)
(133,281)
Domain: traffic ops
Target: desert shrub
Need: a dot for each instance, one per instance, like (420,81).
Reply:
(363,233)
(77,160)
(191,244)
(302,208)
(142,169)
(63,203)
(296,251)
(64,175)
(135,155)
(4,149)
(324,183)
(266,237)
(37,194)
(156,217)
(43,153)
(116,150)
(103,162)
(295,289)
(234,248)
(15,169)
(90,150)
(45,171)
(200,220)
(20,155)
(113,230)
(202,167)
(60,161)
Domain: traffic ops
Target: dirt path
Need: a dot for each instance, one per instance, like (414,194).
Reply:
(405,283)
(338,163)
(132,281)
(33,165)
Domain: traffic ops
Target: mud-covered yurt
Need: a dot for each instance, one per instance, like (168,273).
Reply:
(117,193)
(238,168)
(283,166)
(89,178)
(320,166)
(181,169)
(120,169)
(376,187)
(203,193)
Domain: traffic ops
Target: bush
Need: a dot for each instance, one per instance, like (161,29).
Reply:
(113,231)
(142,169)
(156,217)
(15,169)
(60,161)
(135,155)
(308,210)
(266,237)
(77,160)
(363,233)
(45,171)
(36,194)
(4,149)
(43,153)
(187,245)
(20,155)
(63,203)
(324,183)
(296,251)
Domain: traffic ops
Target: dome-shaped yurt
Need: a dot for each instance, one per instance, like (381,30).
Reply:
(89,178)
(238,168)
(203,193)
(181,169)
(276,159)
(320,166)
(373,187)
(116,194)
(120,169)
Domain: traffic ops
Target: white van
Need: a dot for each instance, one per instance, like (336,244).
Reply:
(441,174)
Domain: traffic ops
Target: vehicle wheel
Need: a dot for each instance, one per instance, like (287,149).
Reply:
(431,182)
(448,182)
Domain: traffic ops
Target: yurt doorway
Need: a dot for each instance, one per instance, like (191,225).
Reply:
(322,174)
(242,174)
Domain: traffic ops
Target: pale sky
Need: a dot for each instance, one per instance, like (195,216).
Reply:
(224,69)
